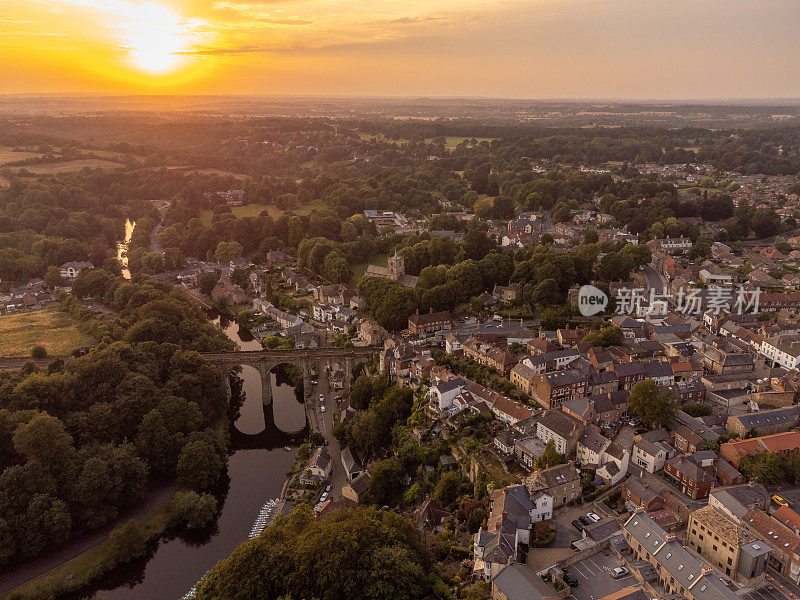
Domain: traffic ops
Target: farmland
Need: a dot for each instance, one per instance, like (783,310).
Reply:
(48,327)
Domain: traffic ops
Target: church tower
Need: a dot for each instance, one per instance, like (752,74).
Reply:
(397,266)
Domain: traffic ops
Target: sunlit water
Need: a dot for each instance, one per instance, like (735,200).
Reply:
(122,248)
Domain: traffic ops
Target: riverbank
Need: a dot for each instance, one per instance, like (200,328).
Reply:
(81,561)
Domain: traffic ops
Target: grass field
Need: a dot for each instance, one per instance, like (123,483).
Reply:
(70,165)
(8,155)
(253,210)
(47,327)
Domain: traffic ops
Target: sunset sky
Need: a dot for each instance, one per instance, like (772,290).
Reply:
(639,49)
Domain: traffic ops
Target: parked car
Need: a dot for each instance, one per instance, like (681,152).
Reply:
(619,572)
(322,408)
(585,520)
(634,422)
(323,497)
(321,397)
(313,382)
(594,517)
(327,488)
(577,525)
(780,500)
(570,579)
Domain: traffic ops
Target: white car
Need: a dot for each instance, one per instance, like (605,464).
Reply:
(594,517)
(313,382)
(323,497)
(327,488)
(321,397)
(322,409)
(619,572)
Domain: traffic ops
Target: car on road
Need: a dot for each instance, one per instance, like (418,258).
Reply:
(323,497)
(327,488)
(322,408)
(326,442)
(313,382)
(577,525)
(585,520)
(619,572)
(570,579)
(594,517)
(322,397)
(634,422)
(780,500)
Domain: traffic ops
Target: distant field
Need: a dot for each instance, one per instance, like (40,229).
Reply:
(48,327)
(253,210)
(8,155)
(70,165)
(380,136)
(452,141)
(239,176)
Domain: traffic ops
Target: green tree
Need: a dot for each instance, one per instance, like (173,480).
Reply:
(550,457)
(44,439)
(361,392)
(654,406)
(697,409)
(207,282)
(53,277)
(227,251)
(39,352)
(765,468)
(448,489)
(336,268)
(127,542)
(192,509)
(199,466)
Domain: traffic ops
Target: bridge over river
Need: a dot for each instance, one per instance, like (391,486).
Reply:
(303,358)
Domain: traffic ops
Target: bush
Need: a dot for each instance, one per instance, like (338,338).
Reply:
(548,539)
(192,509)
(125,543)
(39,352)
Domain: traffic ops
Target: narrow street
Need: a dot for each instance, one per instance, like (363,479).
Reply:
(323,422)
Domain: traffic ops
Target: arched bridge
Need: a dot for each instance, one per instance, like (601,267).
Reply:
(304,358)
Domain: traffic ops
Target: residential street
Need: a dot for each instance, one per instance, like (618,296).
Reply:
(323,422)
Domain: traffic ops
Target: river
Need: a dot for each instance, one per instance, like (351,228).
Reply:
(122,248)
(256,475)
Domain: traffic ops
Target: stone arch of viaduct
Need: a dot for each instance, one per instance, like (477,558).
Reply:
(306,359)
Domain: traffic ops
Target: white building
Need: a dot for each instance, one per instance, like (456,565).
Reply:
(445,392)
(782,350)
(70,270)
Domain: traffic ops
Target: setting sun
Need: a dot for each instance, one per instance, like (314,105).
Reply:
(155,36)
